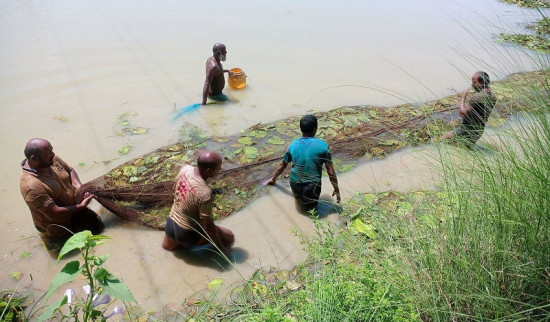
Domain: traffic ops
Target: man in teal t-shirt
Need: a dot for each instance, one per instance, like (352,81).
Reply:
(307,154)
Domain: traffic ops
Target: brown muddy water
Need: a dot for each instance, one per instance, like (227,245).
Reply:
(70,69)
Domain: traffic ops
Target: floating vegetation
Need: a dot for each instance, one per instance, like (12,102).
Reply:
(141,190)
(532,42)
(529,3)
(124,127)
(540,41)
(60,118)
(124,150)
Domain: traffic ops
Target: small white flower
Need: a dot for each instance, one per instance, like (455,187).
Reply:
(117,310)
(69,293)
(87,289)
(106,299)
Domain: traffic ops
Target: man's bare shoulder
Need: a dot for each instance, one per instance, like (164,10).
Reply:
(211,63)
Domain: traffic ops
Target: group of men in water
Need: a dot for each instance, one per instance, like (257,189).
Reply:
(49,185)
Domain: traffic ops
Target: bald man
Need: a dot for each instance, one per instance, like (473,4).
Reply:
(215,81)
(49,186)
(475,111)
(191,222)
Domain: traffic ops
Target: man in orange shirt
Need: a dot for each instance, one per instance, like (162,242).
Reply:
(49,186)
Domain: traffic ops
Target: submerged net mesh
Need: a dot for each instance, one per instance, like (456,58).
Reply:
(141,190)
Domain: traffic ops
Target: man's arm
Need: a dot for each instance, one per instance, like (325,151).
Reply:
(333,179)
(211,230)
(464,108)
(53,210)
(75,180)
(212,71)
(277,173)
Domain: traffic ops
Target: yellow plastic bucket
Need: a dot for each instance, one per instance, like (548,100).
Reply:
(237,78)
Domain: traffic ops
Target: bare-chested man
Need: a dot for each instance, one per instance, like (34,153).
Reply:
(215,80)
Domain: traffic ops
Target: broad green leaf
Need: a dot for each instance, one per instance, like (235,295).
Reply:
(245,140)
(238,151)
(114,287)
(276,140)
(215,284)
(358,226)
(77,241)
(50,311)
(258,134)
(101,274)
(100,260)
(67,274)
(250,151)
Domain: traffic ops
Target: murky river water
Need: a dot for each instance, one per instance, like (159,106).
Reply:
(69,69)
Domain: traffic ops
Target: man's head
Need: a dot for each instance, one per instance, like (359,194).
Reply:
(209,164)
(308,125)
(219,51)
(480,80)
(39,153)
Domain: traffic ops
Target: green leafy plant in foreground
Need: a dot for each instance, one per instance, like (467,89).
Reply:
(101,286)
(12,305)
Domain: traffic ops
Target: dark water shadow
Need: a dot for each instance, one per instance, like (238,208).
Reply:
(327,206)
(208,256)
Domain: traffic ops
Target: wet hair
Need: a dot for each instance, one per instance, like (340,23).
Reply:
(483,78)
(217,47)
(33,147)
(208,160)
(308,124)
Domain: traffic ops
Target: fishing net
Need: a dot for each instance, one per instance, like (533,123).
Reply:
(141,190)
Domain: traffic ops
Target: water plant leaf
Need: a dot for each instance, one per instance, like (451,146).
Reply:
(251,151)
(67,274)
(276,140)
(60,118)
(215,284)
(139,130)
(258,134)
(245,140)
(124,150)
(129,170)
(16,275)
(26,254)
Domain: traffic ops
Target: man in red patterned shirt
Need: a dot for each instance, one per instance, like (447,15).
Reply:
(191,222)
